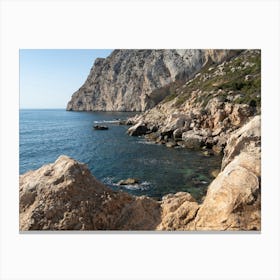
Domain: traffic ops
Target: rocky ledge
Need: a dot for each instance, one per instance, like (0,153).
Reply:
(65,196)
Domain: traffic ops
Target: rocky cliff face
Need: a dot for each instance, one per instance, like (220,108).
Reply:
(65,196)
(127,79)
(204,110)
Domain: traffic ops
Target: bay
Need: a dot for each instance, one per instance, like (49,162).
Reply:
(112,155)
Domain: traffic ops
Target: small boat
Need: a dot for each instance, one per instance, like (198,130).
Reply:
(100,127)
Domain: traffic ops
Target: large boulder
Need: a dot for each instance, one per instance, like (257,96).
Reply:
(247,138)
(178,210)
(176,121)
(233,199)
(192,139)
(138,129)
(65,196)
(240,114)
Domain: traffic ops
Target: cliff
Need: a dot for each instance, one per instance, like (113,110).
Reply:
(65,196)
(202,112)
(127,79)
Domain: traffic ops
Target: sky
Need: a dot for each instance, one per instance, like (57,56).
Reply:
(48,78)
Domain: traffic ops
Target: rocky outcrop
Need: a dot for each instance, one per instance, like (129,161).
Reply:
(178,212)
(203,111)
(65,196)
(126,80)
(233,199)
(246,139)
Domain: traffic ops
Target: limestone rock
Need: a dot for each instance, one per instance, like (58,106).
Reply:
(178,211)
(192,140)
(247,138)
(240,114)
(129,181)
(138,129)
(232,201)
(126,79)
(65,196)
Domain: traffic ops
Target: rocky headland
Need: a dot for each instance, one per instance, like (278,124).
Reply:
(195,99)
(127,79)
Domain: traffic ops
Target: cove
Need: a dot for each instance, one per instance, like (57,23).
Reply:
(112,155)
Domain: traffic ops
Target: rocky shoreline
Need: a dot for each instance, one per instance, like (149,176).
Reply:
(196,99)
(65,196)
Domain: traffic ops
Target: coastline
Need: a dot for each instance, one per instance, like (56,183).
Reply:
(65,196)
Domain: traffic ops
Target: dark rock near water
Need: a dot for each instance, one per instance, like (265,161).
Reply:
(100,127)
(129,181)
(138,129)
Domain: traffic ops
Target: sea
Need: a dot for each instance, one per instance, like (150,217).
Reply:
(112,155)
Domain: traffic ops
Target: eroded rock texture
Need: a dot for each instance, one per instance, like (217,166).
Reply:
(65,196)
(125,80)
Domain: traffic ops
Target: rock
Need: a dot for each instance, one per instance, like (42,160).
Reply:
(153,136)
(240,114)
(170,144)
(217,131)
(181,144)
(178,211)
(192,140)
(207,153)
(65,196)
(214,105)
(232,201)
(138,129)
(122,122)
(177,133)
(100,127)
(217,149)
(129,181)
(176,121)
(247,138)
(219,116)
(127,79)
(214,173)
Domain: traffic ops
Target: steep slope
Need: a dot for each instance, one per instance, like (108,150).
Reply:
(125,80)
(202,111)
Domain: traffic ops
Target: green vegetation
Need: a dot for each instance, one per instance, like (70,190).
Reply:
(237,80)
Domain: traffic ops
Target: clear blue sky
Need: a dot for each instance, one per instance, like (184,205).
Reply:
(48,78)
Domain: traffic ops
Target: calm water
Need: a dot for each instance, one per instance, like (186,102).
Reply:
(111,154)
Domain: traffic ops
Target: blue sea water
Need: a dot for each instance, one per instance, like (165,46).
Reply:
(111,155)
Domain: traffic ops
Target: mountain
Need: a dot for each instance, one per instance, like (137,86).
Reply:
(127,79)
(204,110)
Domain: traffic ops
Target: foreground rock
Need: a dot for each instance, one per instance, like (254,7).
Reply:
(233,199)
(65,196)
